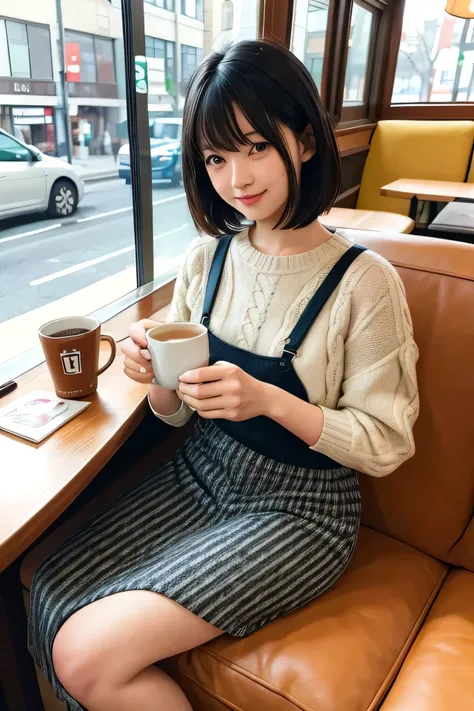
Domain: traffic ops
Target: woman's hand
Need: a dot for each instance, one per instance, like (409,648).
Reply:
(137,363)
(223,391)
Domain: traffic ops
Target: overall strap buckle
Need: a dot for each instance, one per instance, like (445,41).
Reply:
(289,354)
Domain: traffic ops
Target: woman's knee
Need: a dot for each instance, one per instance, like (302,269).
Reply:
(78,662)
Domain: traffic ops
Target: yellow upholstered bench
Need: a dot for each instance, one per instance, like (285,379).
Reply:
(429,150)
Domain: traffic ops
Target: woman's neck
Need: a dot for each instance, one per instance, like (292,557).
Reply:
(285,243)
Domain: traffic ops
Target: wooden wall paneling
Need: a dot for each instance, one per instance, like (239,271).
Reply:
(355,137)
(352,168)
(348,198)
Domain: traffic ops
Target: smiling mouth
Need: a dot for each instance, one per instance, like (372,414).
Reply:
(251,199)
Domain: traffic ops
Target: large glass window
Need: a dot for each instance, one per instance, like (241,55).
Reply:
(308,39)
(436,56)
(81,48)
(18,48)
(104,54)
(190,58)
(40,52)
(85,261)
(25,51)
(165,4)
(357,68)
(54,265)
(4,58)
(193,8)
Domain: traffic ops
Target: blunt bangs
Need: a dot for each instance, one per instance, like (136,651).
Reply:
(270,86)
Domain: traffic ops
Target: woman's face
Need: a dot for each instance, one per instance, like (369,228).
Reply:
(253,179)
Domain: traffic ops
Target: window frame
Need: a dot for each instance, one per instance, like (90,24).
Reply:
(362,111)
(27,25)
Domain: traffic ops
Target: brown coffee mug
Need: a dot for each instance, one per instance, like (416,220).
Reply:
(71,346)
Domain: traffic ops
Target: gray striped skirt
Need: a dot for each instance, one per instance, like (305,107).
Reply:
(235,537)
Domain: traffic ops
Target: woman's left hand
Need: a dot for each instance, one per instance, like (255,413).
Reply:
(223,391)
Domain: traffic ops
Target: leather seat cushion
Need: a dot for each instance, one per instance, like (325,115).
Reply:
(338,653)
(348,218)
(438,673)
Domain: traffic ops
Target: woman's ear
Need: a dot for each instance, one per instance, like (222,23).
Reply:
(307,144)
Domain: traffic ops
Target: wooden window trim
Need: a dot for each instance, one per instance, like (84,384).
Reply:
(363,111)
(275,20)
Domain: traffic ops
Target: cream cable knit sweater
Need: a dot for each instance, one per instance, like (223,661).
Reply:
(357,361)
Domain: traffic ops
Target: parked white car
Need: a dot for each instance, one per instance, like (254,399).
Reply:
(31,181)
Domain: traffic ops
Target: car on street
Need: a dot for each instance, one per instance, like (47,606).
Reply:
(165,151)
(31,181)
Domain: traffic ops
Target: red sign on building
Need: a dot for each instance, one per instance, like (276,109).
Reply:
(73,61)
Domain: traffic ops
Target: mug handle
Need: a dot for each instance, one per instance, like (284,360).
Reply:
(112,355)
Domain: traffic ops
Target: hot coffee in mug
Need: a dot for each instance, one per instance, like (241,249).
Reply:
(71,346)
(176,348)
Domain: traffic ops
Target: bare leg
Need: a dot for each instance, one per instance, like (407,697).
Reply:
(103,654)
(150,690)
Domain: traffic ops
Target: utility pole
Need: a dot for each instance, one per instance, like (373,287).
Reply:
(63,82)
(176,62)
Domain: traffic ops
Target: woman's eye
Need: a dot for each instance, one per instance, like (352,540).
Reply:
(214,160)
(259,147)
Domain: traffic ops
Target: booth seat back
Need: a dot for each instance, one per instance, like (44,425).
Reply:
(429,150)
(429,501)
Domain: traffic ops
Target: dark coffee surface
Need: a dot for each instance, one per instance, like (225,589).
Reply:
(70,332)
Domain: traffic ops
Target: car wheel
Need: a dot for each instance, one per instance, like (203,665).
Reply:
(63,199)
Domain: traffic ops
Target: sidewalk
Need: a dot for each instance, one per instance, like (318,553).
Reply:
(96,168)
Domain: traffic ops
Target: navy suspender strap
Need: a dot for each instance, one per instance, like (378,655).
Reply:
(317,302)
(214,278)
(310,313)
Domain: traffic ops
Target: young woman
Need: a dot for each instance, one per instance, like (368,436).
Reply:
(312,377)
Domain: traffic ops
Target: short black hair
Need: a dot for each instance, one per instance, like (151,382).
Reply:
(270,85)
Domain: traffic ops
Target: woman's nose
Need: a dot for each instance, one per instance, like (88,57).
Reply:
(241,174)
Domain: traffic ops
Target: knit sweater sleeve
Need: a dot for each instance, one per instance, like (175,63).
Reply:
(188,283)
(371,341)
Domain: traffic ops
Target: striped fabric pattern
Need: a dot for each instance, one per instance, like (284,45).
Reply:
(235,537)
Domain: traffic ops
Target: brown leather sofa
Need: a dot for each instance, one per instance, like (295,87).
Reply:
(397,631)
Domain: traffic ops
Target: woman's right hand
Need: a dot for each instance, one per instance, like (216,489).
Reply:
(137,363)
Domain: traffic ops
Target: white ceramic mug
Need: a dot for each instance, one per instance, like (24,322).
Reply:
(171,357)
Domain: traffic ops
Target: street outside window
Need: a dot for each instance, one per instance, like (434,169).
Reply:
(436,56)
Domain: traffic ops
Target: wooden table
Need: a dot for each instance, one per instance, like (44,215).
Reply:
(433,190)
(39,481)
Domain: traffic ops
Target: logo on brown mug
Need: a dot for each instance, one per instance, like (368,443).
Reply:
(71,362)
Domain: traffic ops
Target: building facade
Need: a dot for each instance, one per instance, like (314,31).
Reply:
(177,35)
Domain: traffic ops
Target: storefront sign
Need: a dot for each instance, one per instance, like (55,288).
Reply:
(73,62)
(141,75)
(20,86)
